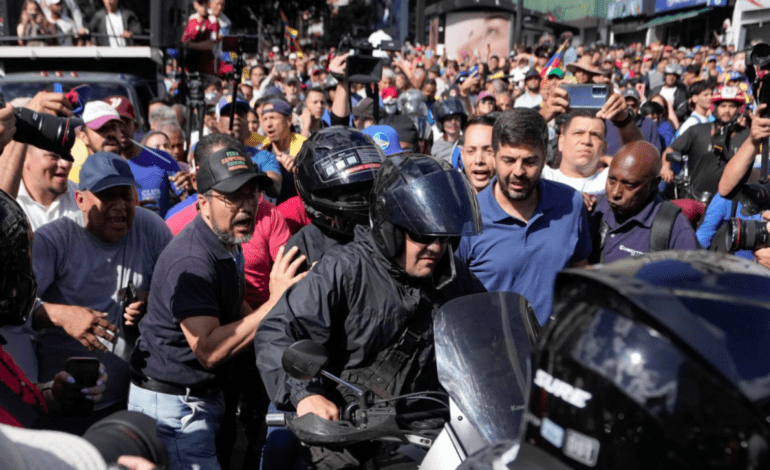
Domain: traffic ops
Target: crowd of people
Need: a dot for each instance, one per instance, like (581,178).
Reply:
(62,23)
(312,207)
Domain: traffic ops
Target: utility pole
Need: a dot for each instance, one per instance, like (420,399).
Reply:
(419,30)
(519,22)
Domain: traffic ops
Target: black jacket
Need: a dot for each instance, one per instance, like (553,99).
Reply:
(314,242)
(357,303)
(98,26)
(681,104)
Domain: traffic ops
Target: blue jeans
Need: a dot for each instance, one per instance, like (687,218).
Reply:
(282,448)
(186,425)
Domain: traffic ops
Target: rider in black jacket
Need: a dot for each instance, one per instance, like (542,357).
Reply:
(335,170)
(371,302)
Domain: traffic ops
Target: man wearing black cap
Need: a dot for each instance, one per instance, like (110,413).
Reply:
(196,316)
(83,272)
(531,96)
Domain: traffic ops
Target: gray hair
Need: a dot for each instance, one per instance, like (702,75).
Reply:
(168,127)
(161,113)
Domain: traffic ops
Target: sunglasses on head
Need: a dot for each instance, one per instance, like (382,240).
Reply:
(427,239)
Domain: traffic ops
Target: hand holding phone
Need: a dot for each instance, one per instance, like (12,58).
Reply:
(586,96)
(85,371)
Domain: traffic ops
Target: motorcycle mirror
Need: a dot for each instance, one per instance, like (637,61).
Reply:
(674,157)
(304,359)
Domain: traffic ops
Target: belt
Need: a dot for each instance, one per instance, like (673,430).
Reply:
(159,386)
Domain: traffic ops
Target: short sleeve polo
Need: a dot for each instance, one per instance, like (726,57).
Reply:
(511,255)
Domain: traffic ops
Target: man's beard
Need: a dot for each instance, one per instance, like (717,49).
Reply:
(528,188)
(229,239)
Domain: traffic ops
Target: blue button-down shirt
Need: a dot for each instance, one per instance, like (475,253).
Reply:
(524,257)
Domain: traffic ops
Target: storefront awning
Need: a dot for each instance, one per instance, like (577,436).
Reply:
(673,17)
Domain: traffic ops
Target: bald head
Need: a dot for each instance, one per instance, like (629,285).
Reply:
(640,157)
(633,178)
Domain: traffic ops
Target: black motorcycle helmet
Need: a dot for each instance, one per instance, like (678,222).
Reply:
(449,107)
(417,193)
(335,169)
(655,362)
(18,288)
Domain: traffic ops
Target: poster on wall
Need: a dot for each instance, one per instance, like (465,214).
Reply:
(468,33)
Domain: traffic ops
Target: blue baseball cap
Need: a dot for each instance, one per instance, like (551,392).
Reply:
(384,137)
(277,106)
(105,170)
(223,107)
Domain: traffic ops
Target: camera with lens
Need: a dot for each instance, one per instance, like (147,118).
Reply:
(759,57)
(362,66)
(52,133)
(127,433)
(746,234)
(755,198)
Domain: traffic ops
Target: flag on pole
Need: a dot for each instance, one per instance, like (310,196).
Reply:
(553,63)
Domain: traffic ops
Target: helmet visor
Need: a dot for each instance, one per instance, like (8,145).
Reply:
(441,203)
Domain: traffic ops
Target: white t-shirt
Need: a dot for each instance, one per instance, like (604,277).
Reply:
(115,29)
(595,184)
(668,93)
(695,118)
(63,206)
(528,101)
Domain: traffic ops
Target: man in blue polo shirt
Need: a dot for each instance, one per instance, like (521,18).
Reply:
(196,319)
(532,227)
(624,222)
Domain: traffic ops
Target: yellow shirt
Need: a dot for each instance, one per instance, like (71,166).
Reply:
(79,154)
(260,142)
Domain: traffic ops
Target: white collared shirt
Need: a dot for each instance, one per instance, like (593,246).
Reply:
(63,206)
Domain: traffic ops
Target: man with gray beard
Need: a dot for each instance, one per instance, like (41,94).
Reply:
(196,319)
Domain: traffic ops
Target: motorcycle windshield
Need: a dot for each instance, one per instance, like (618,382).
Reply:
(483,355)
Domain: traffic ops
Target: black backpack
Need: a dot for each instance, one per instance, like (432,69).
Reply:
(660,234)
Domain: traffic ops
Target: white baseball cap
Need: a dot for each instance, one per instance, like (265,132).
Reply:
(98,113)
(28,449)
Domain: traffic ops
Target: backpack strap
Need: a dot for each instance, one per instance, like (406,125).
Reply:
(663,225)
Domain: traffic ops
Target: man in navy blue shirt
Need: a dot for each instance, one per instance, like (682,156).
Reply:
(624,219)
(196,319)
(532,227)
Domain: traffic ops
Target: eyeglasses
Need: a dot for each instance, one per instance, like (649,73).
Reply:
(427,239)
(233,201)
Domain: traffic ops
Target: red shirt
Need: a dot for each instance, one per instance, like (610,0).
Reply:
(179,221)
(293,210)
(270,233)
(17,381)
(198,30)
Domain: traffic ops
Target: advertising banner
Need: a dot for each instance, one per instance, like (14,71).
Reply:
(468,33)
(670,5)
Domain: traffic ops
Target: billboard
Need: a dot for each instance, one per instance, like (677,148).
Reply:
(668,5)
(466,33)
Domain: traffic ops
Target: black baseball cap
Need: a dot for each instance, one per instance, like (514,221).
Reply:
(226,170)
